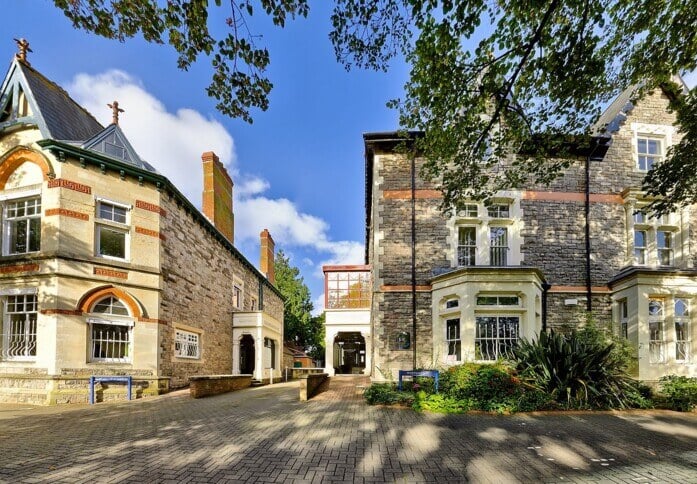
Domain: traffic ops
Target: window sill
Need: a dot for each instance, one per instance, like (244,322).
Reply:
(109,362)
(112,258)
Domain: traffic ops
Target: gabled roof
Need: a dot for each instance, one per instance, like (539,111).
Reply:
(613,117)
(112,142)
(55,113)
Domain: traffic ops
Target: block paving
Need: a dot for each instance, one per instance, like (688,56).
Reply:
(265,434)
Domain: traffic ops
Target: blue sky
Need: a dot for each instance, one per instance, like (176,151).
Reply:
(298,169)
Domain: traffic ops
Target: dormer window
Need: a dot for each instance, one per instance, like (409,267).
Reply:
(649,152)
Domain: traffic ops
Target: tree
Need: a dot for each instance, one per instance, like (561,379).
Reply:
(299,327)
(491,78)
(487,78)
(239,65)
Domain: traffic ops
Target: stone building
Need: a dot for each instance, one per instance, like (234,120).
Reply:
(449,289)
(107,269)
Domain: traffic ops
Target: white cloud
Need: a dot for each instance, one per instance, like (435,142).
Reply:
(318,305)
(171,142)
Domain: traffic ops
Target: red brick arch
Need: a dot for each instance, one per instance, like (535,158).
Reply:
(94,295)
(16,157)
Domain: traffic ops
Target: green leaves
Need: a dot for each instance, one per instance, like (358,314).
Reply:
(577,370)
(496,86)
(299,325)
(238,82)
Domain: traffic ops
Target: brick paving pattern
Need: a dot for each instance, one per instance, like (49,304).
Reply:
(266,435)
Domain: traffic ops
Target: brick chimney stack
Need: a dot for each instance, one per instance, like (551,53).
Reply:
(266,261)
(217,195)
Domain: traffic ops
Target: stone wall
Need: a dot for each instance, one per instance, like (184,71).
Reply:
(561,316)
(311,385)
(392,315)
(198,274)
(205,386)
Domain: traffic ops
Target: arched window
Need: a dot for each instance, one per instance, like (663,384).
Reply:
(656,329)
(111,331)
(110,305)
(682,330)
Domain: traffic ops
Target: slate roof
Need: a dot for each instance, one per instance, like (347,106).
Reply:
(613,117)
(65,119)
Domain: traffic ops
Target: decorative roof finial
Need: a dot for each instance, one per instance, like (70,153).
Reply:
(115,112)
(23,47)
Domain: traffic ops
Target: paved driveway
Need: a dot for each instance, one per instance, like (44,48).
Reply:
(266,435)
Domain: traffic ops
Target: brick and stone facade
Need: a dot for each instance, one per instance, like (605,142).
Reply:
(539,279)
(118,273)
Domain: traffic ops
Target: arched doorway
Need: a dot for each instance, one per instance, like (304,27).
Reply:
(247,355)
(349,353)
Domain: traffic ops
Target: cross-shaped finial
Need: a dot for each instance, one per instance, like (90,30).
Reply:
(23,47)
(115,109)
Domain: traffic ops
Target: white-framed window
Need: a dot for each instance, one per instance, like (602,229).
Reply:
(253,304)
(624,318)
(656,330)
(187,344)
(498,246)
(496,300)
(664,247)
(111,331)
(682,330)
(649,152)
(237,295)
(269,353)
(452,339)
(112,230)
(452,303)
(499,210)
(470,210)
(640,217)
(22,226)
(466,246)
(19,327)
(495,336)
(640,247)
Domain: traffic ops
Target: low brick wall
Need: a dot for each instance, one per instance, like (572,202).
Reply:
(204,386)
(311,385)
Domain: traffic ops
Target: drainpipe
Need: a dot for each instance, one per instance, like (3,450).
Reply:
(545,289)
(595,144)
(413,259)
(589,303)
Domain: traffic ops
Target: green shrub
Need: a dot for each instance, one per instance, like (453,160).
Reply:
(386,394)
(481,386)
(577,371)
(531,400)
(680,392)
(440,403)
